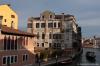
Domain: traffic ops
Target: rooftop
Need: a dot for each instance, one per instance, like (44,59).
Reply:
(11,31)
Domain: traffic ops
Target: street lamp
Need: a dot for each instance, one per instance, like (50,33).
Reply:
(56,59)
(39,61)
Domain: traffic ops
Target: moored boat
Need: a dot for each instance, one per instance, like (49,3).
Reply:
(90,56)
(66,62)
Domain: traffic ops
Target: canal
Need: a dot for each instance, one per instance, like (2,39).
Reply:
(84,62)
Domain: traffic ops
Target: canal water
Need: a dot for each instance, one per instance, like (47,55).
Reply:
(84,62)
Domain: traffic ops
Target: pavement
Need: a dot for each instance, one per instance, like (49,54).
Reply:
(52,61)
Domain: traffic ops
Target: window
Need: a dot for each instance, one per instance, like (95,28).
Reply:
(50,25)
(27,41)
(43,35)
(54,45)
(12,24)
(55,25)
(12,43)
(49,35)
(59,25)
(8,43)
(43,25)
(25,57)
(37,44)
(37,25)
(4,60)
(9,59)
(50,16)
(42,17)
(49,44)
(5,20)
(38,35)
(5,43)
(29,25)
(16,43)
(15,58)
(12,16)
(12,59)
(42,44)
(56,36)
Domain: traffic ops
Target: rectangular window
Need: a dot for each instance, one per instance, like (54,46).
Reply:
(37,44)
(8,60)
(49,44)
(37,25)
(12,59)
(43,35)
(42,44)
(43,25)
(54,25)
(15,60)
(59,25)
(4,60)
(50,25)
(29,25)
(25,57)
(50,36)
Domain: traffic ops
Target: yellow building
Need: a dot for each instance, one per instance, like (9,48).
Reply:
(8,17)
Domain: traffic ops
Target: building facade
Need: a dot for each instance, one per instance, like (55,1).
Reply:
(8,16)
(58,31)
(16,47)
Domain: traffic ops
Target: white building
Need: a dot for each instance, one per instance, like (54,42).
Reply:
(55,31)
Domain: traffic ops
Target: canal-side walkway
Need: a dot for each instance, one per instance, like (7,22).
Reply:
(52,61)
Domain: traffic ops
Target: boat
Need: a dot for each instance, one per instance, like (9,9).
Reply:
(90,56)
(68,61)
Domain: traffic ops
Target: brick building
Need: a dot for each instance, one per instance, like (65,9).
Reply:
(16,47)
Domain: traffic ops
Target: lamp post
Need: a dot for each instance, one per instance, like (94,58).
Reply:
(56,59)
(39,58)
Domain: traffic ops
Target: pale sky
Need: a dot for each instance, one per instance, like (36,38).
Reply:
(87,12)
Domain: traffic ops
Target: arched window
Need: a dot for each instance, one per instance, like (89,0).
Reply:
(12,43)
(12,24)
(16,41)
(8,43)
(5,43)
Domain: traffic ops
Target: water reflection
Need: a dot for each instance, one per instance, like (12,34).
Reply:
(82,61)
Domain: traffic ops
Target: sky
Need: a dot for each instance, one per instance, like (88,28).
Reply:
(87,12)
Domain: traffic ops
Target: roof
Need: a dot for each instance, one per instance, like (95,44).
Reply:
(11,31)
(60,16)
(56,17)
